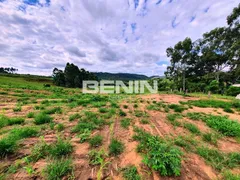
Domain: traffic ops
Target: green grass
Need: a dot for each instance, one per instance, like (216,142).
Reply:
(172,118)
(116,147)
(103,110)
(42,118)
(230,176)
(7,146)
(60,148)
(196,116)
(144,121)
(17,109)
(219,160)
(131,173)
(122,113)
(96,157)
(58,169)
(177,107)
(158,154)
(60,127)
(192,128)
(6,121)
(84,136)
(30,115)
(210,138)
(96,141)
(186,142)
(74,117)
(55,110)
(125,123)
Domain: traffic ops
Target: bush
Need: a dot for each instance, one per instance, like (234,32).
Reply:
(131,173)
(125,123)
(96,141)
(3,121)
(7,146)
(42,118)
(233,91)
(116,147)
(57,169)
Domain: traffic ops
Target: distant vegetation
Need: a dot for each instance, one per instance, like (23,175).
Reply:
(120,76)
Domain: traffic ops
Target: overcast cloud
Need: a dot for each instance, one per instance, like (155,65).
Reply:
(102,35)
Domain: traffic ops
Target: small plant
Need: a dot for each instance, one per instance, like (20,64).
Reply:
(7,146)
(139,113)
(15,120)
(30,115)
(210,137)
(55,110)
(57,169)
(131,173)
(60,127)
(192,128)
(74,117)
(103,110)
(135,105)
(125,123)
(196,116)
(177,107)
(42,118)
(96,157)
(116,147)
(60,148)
(122,113)
(186,142)
(125,106)
(172,118)
(84,136)
(144,121)
(96,141)
(17,109)
(39,150)
(228,110)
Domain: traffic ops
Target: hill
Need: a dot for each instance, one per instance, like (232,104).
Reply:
(120,76)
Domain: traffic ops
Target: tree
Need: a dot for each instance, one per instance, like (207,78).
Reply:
(58,77)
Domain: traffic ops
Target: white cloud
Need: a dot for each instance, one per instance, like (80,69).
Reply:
(99,36)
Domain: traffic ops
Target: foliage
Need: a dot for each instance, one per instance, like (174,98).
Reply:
(122,113)
(192,128)
(55,110)
(96,141)
(74,117)
(96,157)
(210,137)
(57,169)
(30,115)
(125,123)
(172,118)
(60,127)
(42,118)
(233,91)
(60,148)
(84,136)
(116,147)
(177,107)
(131,173)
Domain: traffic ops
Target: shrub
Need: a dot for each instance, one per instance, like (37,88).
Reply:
(192,128)
(131,173)
(30,115)
(233,91)
(228,110)
(96,157)
(116,147)
(42,118)
(96,141)
(60,148)
(57,169)
(125,123)
(7,146)
(74,117)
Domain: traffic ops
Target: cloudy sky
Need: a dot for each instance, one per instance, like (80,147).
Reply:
(102,35)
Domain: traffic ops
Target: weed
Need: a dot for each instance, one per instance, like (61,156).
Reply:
(210,137)
(131,173)
(60,127)
(39,150)
(228,110)
(60,148)
(74,117)
(96,157)
(21,133)
(116,147)
(196,116)
(192,128)
(125,106)
(122,113)
(55,110)
(135,105)
(96,141)
(84,136)
(144,121)
(42,118)
(103,110)
(139,113)
(187,142)
(58,169)
(15,120)
(18,108)
(30,115)
(3,121)
(7,146)
(172,118)
(125,123)
(230,176)
(177,107)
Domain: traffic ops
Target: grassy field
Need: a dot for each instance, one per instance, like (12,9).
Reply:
(59,133)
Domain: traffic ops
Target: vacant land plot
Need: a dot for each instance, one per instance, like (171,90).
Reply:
(55,133)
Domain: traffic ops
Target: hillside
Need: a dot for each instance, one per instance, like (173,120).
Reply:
(120,76)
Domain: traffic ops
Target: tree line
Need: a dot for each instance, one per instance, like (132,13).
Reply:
(72,76)
(211,63)
(8,70)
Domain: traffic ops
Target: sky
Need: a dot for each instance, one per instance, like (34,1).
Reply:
(129,36)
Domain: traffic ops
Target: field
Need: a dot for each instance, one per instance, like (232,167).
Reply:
(58,133)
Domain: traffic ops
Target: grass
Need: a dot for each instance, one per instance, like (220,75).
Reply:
(116,147)
(30,115)
(144,121)
(172,118)
(103,110)
(210,138)
(158,154)
(122,113)
(219,160)
(186,142)
(177,107)
(74,117)
(131,173)
(84,136)
(60,127)
(96,141)
(125,123)
(58,169)
(42,118)
(17,109)
(60,148)
(96,157)
(55,110)
(192,128)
